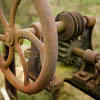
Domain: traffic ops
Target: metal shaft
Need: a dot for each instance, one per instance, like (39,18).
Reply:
(79,52)
(89,22)
(88,54)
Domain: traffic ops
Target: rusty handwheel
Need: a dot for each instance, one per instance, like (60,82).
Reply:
(47,53)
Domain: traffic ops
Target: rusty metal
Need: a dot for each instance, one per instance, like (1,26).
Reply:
(78,28)
(69,23)
(12,42)
(89,76)
(61,30)
(76,20)
(61,27)
(88,55)
(80,37)
(3,20)
(74,37)
(8,53)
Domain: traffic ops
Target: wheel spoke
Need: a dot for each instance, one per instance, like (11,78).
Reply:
(30,36)
(2,61)
(12,79)
(5,63)
(42,55)
(3,20)
(13,12)
(24,64)
(10,57)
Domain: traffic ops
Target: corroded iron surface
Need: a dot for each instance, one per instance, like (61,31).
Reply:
(77,33)
(73,46)
(11,40)
(69,43)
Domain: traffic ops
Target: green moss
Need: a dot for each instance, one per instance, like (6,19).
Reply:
(65,71)
(44,95)
(1,48)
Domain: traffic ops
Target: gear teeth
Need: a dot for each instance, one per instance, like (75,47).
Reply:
(65,44)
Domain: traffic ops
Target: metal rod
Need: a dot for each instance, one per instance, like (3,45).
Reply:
(89,21)
(78,52)
(13,12)
(37,27)
(3,20)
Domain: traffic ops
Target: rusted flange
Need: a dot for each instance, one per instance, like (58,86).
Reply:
(68,42)
(73,22)
(79,23)
(68,23)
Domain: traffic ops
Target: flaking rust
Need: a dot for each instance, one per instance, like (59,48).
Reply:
(11,39)
(69,36)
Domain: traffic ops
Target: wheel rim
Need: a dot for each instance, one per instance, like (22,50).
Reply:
(51,49)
